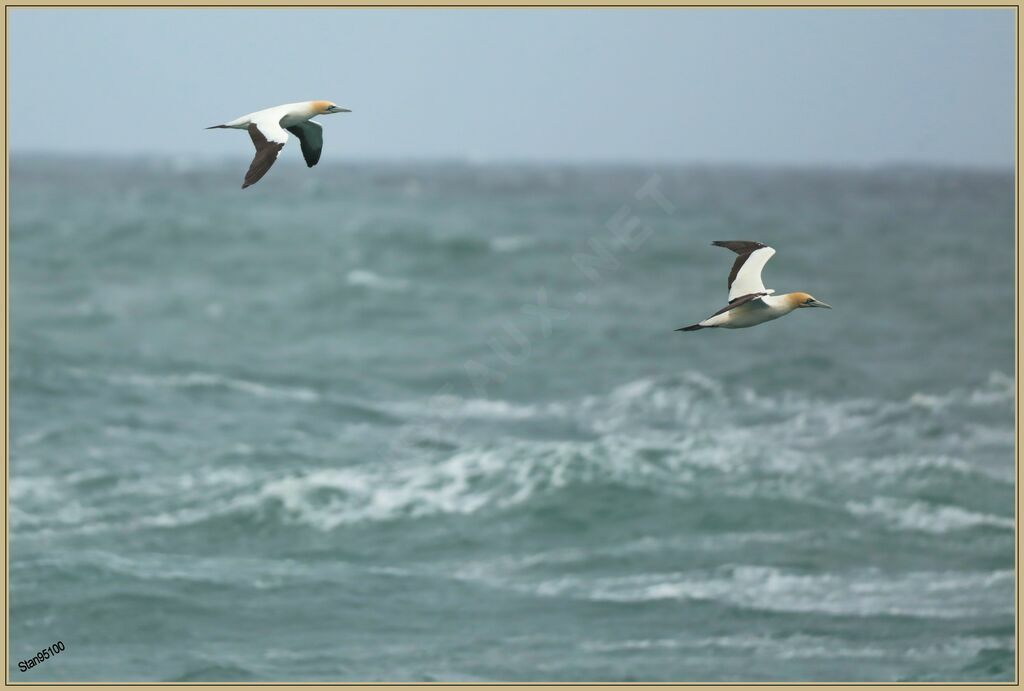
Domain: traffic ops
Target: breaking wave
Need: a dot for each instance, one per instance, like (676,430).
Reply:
(865,593)
(683,437)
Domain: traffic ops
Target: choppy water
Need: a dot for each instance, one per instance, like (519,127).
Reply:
(322,430)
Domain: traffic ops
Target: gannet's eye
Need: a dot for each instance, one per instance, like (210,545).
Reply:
(808,301)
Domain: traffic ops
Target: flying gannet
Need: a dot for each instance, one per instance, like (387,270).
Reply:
(267,130)
(750,303)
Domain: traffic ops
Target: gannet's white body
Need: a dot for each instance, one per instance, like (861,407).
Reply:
(750,303)
(269,129)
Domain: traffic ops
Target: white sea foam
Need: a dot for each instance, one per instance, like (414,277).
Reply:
(907,470)
(209,380)
(368,279)
(786,647)
(961,647)
(505,566)
(943,595)
(674,436)
(460,484)
(918,515)
(463,482)
(452,406)
(224,570)
(32,488)
(802,646)
(998,390)
(512,243)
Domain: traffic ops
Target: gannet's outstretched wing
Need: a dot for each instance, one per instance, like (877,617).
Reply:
(311,137)
(269,138)
(745,277)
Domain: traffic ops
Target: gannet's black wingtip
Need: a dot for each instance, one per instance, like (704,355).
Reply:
(692,327)
(739,246)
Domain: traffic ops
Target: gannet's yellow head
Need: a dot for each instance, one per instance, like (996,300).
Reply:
(798,300)
(326,108)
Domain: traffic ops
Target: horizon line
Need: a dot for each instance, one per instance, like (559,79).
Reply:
(509,161)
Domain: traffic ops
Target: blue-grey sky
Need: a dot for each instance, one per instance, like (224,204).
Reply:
(784,86)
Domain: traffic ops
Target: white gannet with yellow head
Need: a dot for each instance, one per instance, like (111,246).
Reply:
(267,130)
(750,303)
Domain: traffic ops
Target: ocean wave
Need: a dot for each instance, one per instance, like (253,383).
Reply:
(514,565)
(33,488)
(368,279)
(207,380)
(463,483)
(450,406)
(219,670)
(222,570)
(699,422)
(493,478)
(867,593)
(899,466)
(802,646)
(678,437)
(960,647)
(46,504)
(921,516)
(785,647)
(998,389)
(695,399)
(512,243)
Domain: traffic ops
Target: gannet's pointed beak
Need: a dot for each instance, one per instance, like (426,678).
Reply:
(338,109)
(819,303)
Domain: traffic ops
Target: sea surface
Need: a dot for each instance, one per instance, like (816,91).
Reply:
(432,422)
